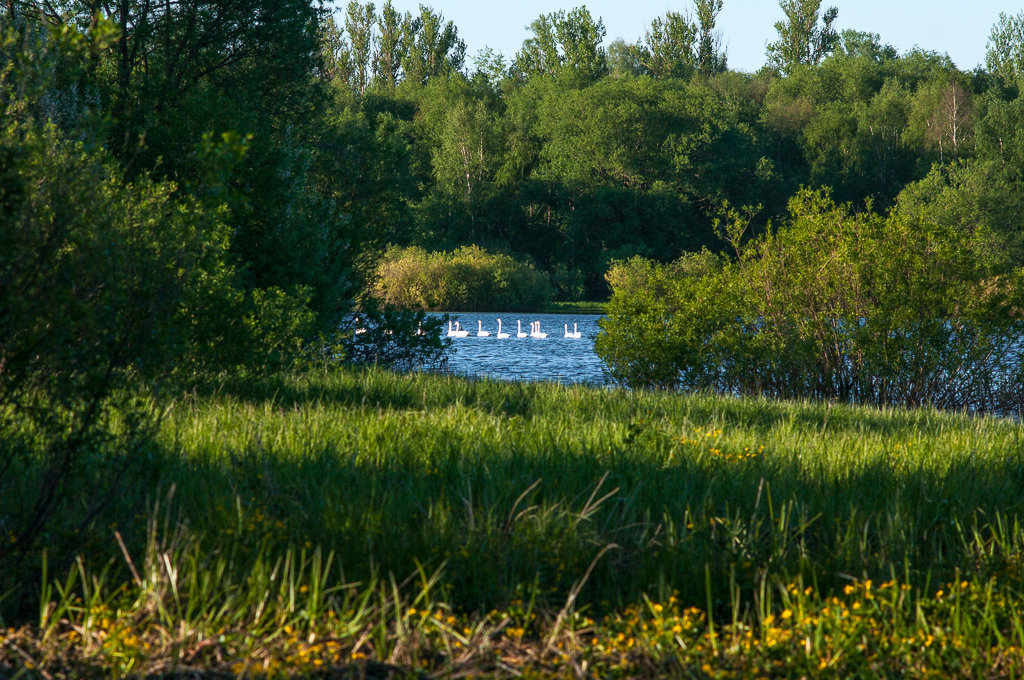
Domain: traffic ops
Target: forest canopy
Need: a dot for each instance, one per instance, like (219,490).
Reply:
(573,153)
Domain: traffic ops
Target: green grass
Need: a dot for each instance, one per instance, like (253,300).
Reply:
(576,308)
(543,522)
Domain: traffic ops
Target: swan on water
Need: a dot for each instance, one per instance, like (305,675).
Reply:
(451,331)
(459,332)
(575,332)
(536,332)
(480,332)
(500,334)
(519,329)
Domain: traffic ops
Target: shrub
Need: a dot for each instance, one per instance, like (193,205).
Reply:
(104,283)
(399,339)
(467,279)
(895,309)
(89,292)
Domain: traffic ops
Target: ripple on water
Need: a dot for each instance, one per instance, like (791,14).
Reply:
(555,358)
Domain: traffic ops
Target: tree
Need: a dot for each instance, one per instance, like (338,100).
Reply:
(943,117)
(359,21)
(335,57)
(968,195)
(1005,56)
(710,58)
(861,45)
(348,60)
(466,136)
(881,127)
(668,47)
(539,54)
(1000,135)
(622,59)
(432,47)
(566,45)
(167,54)
(491,67)
(801,39)
(387,56)
(99,280)
(631,166)
(581,37)
(676,46)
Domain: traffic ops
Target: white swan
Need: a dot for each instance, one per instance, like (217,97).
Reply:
(480,332)
(575,332)
(519,329)
(451,331)
(536,333)
(459,333)
(500,334)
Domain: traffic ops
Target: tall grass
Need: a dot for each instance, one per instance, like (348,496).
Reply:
(546,500)
(537,479)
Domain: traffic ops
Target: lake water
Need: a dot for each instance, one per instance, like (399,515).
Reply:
(554,358)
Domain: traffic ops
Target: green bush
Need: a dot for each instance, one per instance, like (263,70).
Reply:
(105,283)
(467,279)
(896,309)
(90,289)
(400,339)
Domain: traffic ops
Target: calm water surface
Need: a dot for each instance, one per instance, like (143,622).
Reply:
(555,358)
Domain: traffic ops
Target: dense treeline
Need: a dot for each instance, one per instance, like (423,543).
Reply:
(574,154)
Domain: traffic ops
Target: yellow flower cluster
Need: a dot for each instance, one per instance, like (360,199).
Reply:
(886,629)
(709,440)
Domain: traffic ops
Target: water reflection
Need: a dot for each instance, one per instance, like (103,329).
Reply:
(555,358)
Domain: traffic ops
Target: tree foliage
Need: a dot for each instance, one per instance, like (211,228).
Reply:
(97,279)
(574,153)
(668,47)
(564,45)
(710,57)
(1005,54)
(801,39)
(315,141)
(467,279)
(897,309)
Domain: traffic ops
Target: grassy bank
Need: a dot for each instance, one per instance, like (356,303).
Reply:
(378,522)
(576,308)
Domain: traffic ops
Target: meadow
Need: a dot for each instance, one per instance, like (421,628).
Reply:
(380,524)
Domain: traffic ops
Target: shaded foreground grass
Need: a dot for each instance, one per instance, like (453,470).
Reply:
(388,525)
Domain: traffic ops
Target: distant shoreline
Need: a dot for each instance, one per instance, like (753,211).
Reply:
(551,308)
(575,308)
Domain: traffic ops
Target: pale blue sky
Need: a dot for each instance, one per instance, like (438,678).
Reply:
(958,28)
